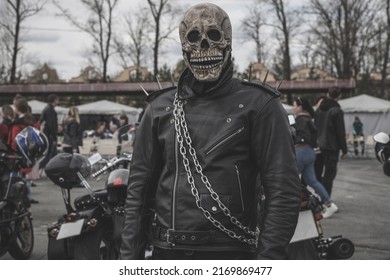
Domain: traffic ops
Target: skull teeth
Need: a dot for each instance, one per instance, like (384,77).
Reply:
(206,59)
(206,66)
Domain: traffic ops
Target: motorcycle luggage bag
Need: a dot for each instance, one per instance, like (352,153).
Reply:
(117,185)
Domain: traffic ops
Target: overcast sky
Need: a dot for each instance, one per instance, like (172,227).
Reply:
(52,39)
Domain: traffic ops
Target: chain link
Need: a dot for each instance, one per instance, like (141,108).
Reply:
(181,125)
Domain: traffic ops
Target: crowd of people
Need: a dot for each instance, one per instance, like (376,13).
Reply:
(18,116)
(200,161)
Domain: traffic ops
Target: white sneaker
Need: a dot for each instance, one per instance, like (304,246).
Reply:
(330,210)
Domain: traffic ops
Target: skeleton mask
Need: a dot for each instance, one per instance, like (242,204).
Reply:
(206,38)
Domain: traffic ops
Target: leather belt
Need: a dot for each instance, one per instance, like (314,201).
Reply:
(190,237)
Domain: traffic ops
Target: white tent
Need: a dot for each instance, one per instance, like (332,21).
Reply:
(373,112)
(106,107)
(38,106)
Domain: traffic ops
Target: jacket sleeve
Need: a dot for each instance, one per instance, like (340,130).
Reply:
(50,127)
(340,127)
(140,192)
(275,155)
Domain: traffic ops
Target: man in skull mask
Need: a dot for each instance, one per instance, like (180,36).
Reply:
(202,151)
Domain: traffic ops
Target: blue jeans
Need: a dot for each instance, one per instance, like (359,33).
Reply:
(305,162)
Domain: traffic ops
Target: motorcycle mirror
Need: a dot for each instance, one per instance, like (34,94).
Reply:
(382,138)
(95,158)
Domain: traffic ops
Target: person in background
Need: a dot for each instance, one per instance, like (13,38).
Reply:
(49,123)
(23,118)
(329,120)
(73,137)
(305,142)
(358,136)
(7,114)
(101,130)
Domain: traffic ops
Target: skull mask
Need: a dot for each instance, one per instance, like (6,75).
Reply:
(206,38)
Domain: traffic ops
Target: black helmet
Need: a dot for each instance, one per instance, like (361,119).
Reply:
(63,169)
(32,144)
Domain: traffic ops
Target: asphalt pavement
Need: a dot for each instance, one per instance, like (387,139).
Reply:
(361,191)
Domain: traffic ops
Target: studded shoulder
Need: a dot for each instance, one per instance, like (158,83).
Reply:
(265,87)
(154,94)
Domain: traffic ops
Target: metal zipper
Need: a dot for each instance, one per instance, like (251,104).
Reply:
(240,186)
(224,140)
(174,190)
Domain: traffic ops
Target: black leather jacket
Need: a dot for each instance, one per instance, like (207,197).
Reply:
(329,121)
(239,131)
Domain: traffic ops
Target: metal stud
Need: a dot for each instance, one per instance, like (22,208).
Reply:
(214,208)
(172,121)
(240,106)
(167,108)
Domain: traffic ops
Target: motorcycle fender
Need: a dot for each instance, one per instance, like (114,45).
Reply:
(306,227)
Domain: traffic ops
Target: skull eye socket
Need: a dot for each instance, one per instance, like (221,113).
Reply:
(214,35)
(193,36)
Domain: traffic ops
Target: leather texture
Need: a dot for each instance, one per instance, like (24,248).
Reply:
(241,134)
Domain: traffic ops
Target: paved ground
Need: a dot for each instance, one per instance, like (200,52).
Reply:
(361,191)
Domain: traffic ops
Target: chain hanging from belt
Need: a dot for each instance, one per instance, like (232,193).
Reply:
(180,124)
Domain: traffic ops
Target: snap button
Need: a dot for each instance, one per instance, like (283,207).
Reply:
(214,208)
(167,108)
(228,120)
(240,106)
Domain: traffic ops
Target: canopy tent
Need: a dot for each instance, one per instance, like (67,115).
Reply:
(38,106)
(106,107)
(93,112)
(373,112)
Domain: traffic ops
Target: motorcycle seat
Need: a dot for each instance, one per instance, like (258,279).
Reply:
(86,201)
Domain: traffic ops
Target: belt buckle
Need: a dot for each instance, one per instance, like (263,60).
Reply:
(170,232)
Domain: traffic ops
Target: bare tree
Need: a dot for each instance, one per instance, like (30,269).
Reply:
(251,26)
(344,30)
(387,48)
(134,51)
(99,26)
(287,24)
(162,9)
(16,12)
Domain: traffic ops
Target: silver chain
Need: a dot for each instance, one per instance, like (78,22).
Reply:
(180,124)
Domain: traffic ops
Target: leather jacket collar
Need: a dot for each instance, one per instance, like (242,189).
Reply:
(189,87)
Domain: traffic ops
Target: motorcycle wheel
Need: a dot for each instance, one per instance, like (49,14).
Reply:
(22,247)
(302,250)
(341,249)
(96,245)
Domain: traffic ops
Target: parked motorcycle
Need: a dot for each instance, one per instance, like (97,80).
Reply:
(16,228)
(382,150)
(309,241)
(91,228)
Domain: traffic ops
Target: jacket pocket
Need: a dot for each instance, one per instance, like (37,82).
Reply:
(223,140)
(208,203)
(239,186)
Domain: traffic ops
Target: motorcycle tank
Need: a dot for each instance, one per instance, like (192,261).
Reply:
(63,168)
(117,185)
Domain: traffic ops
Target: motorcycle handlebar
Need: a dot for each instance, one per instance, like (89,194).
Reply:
(115,162)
